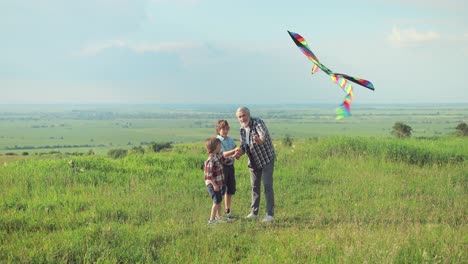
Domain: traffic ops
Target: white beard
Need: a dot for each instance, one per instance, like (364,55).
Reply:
(245,124)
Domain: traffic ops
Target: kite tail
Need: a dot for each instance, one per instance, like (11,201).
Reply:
(344,110)
(315,69)
(345,85)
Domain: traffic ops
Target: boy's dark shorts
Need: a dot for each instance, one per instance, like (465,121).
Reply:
(216,196)
(229,179)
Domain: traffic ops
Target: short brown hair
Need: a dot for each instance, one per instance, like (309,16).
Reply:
(211,144)
(220,125)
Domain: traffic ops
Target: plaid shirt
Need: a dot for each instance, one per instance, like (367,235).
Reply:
(214,169)
(259,154)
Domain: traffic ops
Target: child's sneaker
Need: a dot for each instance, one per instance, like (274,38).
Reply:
(220,220)
(231,216)
(216,221)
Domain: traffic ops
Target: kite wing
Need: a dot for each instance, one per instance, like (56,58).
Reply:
(344,110)
(302,44)
(359,81)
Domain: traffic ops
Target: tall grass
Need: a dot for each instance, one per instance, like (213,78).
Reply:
(339,200)
(422,151)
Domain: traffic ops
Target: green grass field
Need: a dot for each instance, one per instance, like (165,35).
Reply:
(346,191)
(338,200)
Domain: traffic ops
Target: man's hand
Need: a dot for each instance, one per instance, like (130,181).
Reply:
(239,152)
(258,138)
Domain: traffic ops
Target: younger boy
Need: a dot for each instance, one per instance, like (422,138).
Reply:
(214,177)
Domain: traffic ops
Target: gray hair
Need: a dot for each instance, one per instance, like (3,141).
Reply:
(243,109)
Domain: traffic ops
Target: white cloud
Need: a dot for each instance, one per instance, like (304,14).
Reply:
(164,46)
(96,48)
(182,3)
(411,37)
(465,44)
(450,5)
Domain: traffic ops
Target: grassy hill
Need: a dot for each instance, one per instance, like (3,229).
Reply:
(338,199)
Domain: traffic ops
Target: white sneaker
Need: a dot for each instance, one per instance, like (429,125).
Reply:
(268,218)
(251,216)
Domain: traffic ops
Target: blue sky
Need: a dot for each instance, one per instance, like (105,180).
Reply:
(231,52)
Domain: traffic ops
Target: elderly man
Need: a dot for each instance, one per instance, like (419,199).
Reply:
(255,141)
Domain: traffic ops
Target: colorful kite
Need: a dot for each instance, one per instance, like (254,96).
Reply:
(344,109)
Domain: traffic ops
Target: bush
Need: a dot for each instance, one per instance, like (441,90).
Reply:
(137,150)
(117,153)
(462,130)
(401,130)
(287,141)
(157,147)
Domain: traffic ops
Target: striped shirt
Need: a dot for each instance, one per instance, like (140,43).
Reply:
(259,154)
(214,169)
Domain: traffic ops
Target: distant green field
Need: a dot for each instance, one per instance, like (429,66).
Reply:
(36,129)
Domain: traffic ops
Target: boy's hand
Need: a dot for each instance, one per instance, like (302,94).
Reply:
(238,153)
(216,188)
